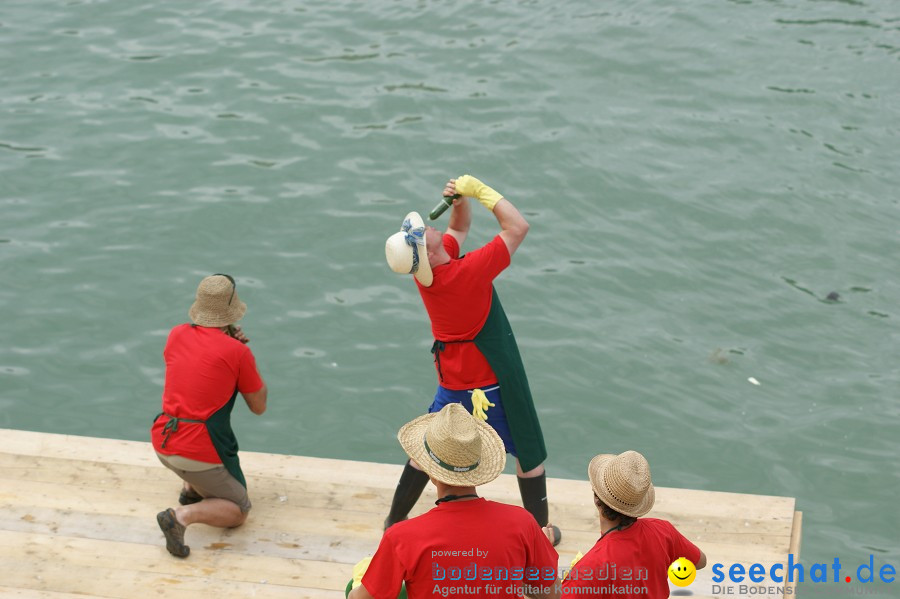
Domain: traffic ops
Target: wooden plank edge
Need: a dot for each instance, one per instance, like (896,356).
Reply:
(794,548)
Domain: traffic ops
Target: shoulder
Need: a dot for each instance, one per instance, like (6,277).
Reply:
(413,525)
(451,245)
(659,527)
(493,251)
(503,508)
(219,341)
(179,331)
(497,511)
(409,533)
(495,245)
(597,552)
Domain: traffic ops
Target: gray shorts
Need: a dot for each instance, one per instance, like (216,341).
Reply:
(214,482)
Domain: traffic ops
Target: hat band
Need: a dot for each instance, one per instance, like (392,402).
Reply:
(444,464)
(233,284)
(415,263)
(415,236)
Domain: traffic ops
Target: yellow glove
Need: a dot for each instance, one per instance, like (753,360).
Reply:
(467,185)
(480,404)
(359,570)
(575,559)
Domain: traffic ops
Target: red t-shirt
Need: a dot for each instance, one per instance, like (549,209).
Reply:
(463,549)
(638,556)
(458,303)
(204,369)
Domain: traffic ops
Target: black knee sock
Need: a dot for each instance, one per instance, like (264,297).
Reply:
(534,497)
(409,488)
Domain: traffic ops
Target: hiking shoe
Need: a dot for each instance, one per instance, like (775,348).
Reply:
(189,497)
(174,533)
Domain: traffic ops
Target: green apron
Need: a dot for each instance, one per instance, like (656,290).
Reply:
(219,428)
(498,344)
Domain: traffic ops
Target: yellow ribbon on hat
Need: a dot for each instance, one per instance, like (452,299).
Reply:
(575,559)
(359,570)
(467,185)
(480,404)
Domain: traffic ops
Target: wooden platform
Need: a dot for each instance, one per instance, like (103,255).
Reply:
(77,519)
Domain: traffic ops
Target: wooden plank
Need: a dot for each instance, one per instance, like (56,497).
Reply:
(78,555)
(676,505)
(150,481)
(794,549)
(89,505)
(377,475)
(102,581)
(335,535)
(135,529)
(90,477)
(340,514)
(11,593)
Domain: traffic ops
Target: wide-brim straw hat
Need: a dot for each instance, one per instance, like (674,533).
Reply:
(623,482)
(217,303)
(454,447)
(405,251)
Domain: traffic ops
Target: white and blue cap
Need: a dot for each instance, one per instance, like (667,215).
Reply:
(405,251)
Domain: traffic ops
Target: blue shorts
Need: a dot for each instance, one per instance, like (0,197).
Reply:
(496,415)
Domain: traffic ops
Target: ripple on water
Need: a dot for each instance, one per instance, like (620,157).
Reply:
(215,195)
(70,224)
(304,314)
(15,147)
(307,352)
(188,132)
(157,376)
(258,162)
(353,297)
(14,370)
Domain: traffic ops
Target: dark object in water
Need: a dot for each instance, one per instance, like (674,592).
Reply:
(833,296)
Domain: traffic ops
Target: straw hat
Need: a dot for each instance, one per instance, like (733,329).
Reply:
(405,251)
(454,447)
(217,303)
(623,482)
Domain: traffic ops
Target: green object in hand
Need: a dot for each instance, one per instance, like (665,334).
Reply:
(446,202)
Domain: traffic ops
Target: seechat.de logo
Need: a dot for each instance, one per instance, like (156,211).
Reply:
(796,572)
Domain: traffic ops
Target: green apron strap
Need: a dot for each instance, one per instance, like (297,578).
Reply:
(498,344)
(172,425)
(219,427)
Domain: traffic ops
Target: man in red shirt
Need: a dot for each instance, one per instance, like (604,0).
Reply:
(632,557)
(467,546)
(207,364)
(474,347)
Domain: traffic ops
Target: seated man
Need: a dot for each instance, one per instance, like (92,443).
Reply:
(466,546)
(623,492)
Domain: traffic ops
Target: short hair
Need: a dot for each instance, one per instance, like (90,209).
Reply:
(612,515)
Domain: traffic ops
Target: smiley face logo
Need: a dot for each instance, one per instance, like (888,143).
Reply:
(682,572)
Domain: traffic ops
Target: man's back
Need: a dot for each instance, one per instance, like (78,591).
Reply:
(475,548)
(634,561)
(204,369)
